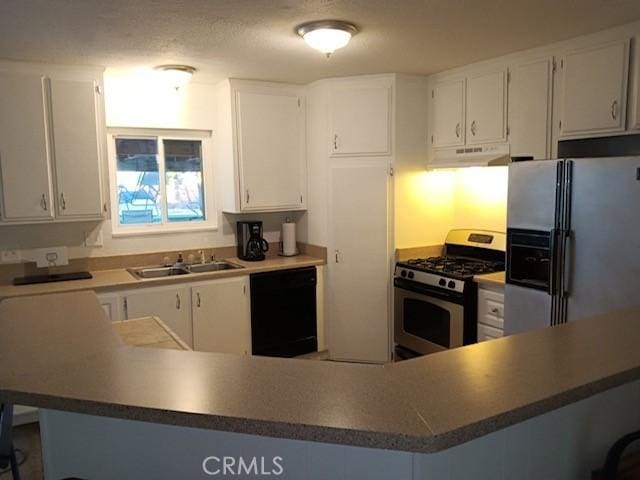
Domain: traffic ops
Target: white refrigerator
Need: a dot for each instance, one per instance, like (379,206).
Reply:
(573,240)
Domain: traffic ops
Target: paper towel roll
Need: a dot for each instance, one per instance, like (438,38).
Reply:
(289,239)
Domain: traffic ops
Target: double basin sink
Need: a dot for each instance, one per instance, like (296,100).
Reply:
(158,272)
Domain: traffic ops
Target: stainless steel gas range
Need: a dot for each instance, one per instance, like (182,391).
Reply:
(436,297)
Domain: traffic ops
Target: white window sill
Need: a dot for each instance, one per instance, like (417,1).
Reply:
(139,231)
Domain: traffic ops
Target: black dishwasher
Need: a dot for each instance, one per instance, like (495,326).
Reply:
(283,313)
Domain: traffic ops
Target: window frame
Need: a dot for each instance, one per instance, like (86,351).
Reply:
(210,223)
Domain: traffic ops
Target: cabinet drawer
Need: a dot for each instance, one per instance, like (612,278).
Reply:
(485,332)
(491,308)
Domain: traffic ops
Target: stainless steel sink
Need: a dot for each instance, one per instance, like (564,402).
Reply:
(157,272)
(212,267)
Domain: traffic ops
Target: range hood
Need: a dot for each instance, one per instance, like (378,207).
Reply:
(472,156)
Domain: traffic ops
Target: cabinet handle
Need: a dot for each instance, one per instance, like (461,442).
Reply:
(178,301)
(248,196)
(335,142)
(614,109)
(63,202)
(337,256)
(458,130)
(495,310)
(473,128)
(43,202)
(198,299)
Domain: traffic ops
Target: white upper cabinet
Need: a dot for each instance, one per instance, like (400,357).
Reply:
(634,103)
(222,316)
(51,140)
(77,148)
(261,146)
(530,108)
(270,133)
(448,113)
(24,148)
(594,93)
(359,118)
(487,107)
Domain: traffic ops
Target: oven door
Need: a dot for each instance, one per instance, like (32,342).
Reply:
(426,324)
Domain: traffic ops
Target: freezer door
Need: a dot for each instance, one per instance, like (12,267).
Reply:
(531,201)
(602,270)
(525,309)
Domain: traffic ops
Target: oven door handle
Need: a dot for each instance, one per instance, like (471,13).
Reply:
(442,294)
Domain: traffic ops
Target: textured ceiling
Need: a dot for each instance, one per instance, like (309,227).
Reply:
(256,39)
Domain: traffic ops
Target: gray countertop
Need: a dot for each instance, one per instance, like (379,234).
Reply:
(60,352)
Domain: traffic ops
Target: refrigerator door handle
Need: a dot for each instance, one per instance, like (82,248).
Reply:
(567,242)
(553,262)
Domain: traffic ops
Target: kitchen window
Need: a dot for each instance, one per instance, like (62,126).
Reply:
(160,183)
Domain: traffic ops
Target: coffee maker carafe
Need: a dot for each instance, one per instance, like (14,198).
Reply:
(251,245)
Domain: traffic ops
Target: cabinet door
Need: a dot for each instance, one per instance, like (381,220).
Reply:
(24,148)
(170,304)
(530,107)
(485,332)
(634,104)
(358,269)
(595,89)
(486,107)
(271,150)
(448,113)
(359,120)
(221,316)
(112,306)
(77,148)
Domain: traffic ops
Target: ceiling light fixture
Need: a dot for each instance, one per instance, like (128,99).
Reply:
(176,75)
(327,35)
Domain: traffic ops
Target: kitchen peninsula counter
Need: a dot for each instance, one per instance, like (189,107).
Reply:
(59,352)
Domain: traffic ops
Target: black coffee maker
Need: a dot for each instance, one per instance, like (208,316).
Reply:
(251,245)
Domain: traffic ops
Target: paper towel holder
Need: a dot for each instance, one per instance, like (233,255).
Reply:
(281,245)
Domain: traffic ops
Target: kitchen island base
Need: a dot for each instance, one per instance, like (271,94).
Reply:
(566,443)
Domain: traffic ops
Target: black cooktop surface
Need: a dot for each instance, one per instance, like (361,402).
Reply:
(460,267)
(54,277)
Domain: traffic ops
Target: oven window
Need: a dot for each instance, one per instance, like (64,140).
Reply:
(427,321)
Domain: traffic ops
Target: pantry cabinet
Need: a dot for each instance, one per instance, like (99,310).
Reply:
(25,153)
(221,316)
(359,118)
(487,107)
(51,139)
(530,108)
(359,265)
(261,146)
(594,89)
(448,99)
(172,304)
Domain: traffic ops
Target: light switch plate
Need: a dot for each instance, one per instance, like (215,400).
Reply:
(10,256)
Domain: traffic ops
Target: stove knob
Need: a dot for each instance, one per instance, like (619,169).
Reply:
(452,284)
(403,273)
(442,282)
(411,275)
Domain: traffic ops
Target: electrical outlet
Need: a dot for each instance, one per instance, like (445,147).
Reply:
(10,256)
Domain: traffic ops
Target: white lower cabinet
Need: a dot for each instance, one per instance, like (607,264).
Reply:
(221,316)
(171,304)
(112,306)
(490,312)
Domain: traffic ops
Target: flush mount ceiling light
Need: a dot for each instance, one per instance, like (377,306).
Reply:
(176,75)
(327,35)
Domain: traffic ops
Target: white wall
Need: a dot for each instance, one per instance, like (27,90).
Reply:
(137,99)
